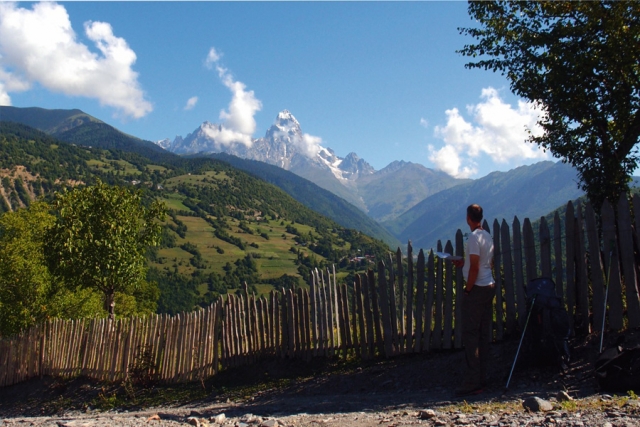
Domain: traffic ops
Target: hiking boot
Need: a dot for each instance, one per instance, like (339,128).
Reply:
(468,390)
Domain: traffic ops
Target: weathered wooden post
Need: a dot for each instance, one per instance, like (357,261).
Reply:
(419,302)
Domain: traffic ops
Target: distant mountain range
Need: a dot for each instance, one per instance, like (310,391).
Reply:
(411,201)
(383,194)
(526,192)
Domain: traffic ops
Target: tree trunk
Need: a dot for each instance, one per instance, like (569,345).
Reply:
(110,303)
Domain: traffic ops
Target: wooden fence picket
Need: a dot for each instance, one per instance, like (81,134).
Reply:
(437,328)
(291,319)
(160,349)
(419,336)
(545,249)
(275,323)
(299,322)
(428,312)
(330,315)
(238,331)
(175,345)
(376,311)
(344,323)
(458,293)
(307,325)
(391,286)
(409,343)
(627,260)
(595,261)
(497,269)
(363,334)
(570,239)
(531,266)
(282,322)
(269,326)
(115,345)
(609,238)
(53,350)
(347,315)
(5,364)
(367,318)
(322,324)
(263,325)
(521,305)
(313,313)
(557,247)
(402,341)
(217,330)
(582,284)
(384,309)
(449,301)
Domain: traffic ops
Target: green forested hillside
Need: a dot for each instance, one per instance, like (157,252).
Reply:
(313,196)
(77,127)
(225,227)
(48,121)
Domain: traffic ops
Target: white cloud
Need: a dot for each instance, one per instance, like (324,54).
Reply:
(191,102)
(5,99)
(424,122)
(238,124)
(212,57)
(497,130)
(10,83)
(39,45)
(310,145)
(449,161)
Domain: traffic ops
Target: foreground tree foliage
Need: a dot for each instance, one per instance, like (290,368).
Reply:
(579,61)
(28,292)
(100,238)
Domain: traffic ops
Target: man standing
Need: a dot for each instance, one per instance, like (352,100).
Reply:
(477,302)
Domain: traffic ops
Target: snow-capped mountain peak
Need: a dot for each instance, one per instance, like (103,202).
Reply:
(285,127)
(354,165)
(286,120)
(164,143)
(283,145)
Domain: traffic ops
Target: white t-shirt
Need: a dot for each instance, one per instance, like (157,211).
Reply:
(479,243)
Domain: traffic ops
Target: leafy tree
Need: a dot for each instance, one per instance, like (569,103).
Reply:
(579,62)
(142,301)
(24,278)
(177,292)
(100,238)
(28,292)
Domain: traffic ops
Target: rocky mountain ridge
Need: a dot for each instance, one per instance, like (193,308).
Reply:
(352,178)
(284,145)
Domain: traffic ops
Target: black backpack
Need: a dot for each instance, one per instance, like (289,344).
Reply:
(547,334)
(618,369)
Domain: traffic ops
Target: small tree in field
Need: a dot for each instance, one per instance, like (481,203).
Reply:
(100,238)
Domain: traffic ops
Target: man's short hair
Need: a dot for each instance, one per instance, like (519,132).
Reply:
(475,213)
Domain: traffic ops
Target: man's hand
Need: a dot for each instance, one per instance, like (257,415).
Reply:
(458,262)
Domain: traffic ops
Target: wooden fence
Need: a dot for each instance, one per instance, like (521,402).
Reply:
(407,305)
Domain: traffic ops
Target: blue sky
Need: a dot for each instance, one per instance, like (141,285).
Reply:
(381,79)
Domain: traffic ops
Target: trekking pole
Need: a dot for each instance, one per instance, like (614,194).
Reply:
(533,301)
(606,296)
